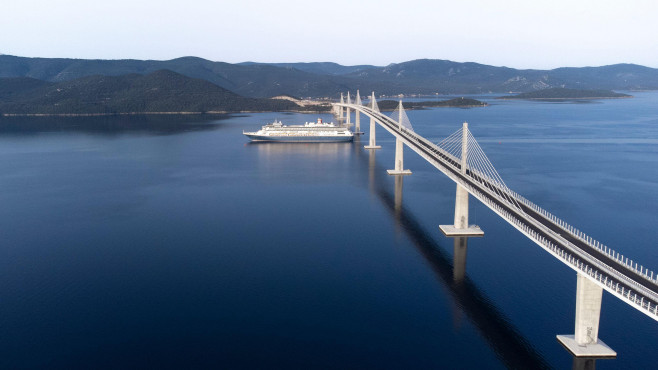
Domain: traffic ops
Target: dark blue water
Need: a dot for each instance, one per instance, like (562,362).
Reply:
(173,243)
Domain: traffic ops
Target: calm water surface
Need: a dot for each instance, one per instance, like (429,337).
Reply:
(174,243)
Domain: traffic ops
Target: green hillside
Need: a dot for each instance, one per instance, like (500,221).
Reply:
(160,91)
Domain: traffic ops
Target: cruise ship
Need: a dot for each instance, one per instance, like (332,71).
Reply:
(310,132)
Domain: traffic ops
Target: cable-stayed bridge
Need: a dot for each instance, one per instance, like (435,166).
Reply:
(461,158)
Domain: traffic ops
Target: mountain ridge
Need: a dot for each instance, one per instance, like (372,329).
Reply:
(327,79)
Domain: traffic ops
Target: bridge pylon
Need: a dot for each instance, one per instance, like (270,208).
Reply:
(357,114)
(461,226)
(372,144)
(585,341)
(348,113)
(399,151)
(340,109)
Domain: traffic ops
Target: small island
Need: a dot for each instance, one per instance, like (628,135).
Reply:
(559,93)
(386,105)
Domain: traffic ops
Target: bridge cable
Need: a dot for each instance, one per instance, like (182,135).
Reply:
(478,164)
(401,118)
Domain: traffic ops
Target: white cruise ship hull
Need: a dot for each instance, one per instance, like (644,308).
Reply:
(311,132)
(301,139)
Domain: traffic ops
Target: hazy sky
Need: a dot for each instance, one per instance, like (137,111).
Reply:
(521,34)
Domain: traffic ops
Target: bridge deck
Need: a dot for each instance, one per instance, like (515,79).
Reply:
(612,275)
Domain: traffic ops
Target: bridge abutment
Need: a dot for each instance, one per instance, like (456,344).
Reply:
(585,341)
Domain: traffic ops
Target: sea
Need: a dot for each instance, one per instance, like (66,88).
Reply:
(173,242)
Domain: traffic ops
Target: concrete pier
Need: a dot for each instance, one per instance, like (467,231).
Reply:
(372,143)
(461,226)
(399,152)
(399,160)
(585,342)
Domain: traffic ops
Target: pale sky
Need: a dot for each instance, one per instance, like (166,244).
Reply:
(520,34)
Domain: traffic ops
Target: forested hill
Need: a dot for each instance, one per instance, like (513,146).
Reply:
(257,80)
(423,76)
(160,91)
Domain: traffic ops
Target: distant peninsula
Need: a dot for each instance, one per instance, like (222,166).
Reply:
(388,105)
(559,93)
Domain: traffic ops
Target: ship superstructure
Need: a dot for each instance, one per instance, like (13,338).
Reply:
(310,132)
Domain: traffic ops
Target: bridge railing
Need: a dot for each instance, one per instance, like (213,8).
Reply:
(627,262)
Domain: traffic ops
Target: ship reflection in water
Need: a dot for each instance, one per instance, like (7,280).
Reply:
(300,163)
(312,151)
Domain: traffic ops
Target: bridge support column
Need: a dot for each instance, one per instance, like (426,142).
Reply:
(357,114)
(585,341)
(399,159)
(340,109)
(348,114)
(399,152)
(461,226)
(372,144)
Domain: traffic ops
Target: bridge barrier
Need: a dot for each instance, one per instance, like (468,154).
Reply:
(628,263)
